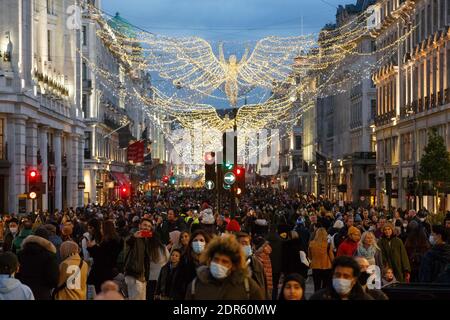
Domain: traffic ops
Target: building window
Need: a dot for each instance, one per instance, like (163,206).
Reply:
(49,45)
(85,105)
(2,140)
(51,7)
(84,71)
(373,108)
(84,35)
(298,142)
(407,146)
(87,144)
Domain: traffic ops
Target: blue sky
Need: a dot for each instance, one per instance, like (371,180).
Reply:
(227,19)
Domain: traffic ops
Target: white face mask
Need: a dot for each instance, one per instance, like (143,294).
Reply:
(198,246)
(218,271)
(432,240)
(342,286)
(13,230)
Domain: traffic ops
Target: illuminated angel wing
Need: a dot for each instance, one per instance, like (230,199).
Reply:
(187,62)
(272,59)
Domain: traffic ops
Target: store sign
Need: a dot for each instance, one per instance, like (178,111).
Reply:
(99,185)
(394,193)
(81,185)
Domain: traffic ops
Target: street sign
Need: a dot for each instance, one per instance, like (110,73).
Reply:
(209,185)
(229,178)
(81,185)
(226,186)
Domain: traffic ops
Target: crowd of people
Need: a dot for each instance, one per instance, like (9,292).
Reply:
(176,245)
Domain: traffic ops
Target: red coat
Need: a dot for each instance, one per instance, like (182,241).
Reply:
(347,248)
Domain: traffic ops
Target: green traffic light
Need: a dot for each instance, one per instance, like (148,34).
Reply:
(172,180)
(228,166)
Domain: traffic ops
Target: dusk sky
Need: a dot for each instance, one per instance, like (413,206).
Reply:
(227,19)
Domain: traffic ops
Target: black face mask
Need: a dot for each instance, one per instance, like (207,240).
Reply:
(363,277)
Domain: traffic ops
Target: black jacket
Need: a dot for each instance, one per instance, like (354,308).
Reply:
(38,266)
(137,258)
(434,262)
(291,262)
(276,256)
(105,262)
(329,293)
(8,241)
(171,283)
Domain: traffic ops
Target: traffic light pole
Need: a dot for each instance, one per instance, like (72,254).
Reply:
(233,189)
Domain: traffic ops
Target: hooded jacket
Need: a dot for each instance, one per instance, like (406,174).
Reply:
(230,288)
(434,262)
(13,289)
(38,266)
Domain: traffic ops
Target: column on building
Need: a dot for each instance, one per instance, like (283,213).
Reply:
(58,166)
(71,170)
(43,148)
(80,157)
(31,150)
(16,152)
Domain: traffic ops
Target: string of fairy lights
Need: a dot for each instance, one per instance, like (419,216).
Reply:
(296,70)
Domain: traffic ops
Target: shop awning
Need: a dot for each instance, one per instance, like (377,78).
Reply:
(120,178)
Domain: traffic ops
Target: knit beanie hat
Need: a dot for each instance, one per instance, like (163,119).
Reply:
(42,232)
(68,248)
(353,230)
(259,242)
(233,226)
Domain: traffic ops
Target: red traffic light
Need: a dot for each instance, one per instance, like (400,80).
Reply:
(33,173)
(165,179)
(124,190)
(239,171)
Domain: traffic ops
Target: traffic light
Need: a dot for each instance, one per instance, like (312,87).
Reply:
(172,180)
(165,179)
(210,169)
(124,192)
(34,184)
(239,173)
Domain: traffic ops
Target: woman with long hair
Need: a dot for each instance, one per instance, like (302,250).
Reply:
(368,248)
(104,255)
(159,256)
(94,233)
(321,255)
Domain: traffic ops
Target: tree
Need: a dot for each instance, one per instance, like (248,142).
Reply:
(435,162)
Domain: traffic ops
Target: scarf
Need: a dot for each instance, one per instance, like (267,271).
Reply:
(369,253)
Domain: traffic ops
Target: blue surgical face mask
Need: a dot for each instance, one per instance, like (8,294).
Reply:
(218,271)
(198,246)
(248,251)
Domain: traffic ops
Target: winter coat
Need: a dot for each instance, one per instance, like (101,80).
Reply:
(233,287)
(347,248)
(38,266)
(321,255)
(13,289)
(434,262)
(17,242)
(267,265)
(329,293)
(395,256)
(377,258)
(137,258)
(276,255)
(170,284)
(104,265)
(256,270)
(67,268)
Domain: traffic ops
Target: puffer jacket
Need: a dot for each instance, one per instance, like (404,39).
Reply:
(267,265)
(206,287)
(38,266)
(434,262)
